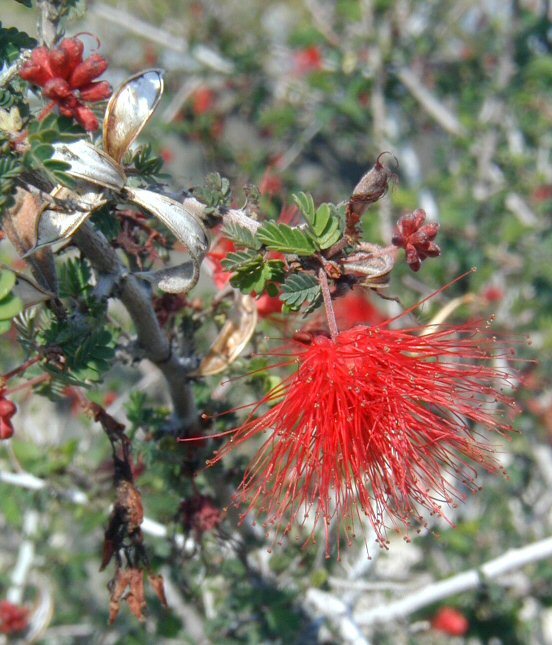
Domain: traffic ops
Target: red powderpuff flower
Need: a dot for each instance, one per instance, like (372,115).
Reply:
(203,100)
(376,424)
(450,621)
(68,80)
(307,60)
(416,237)
(13,619)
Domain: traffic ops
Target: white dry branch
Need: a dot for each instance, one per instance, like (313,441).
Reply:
(431,104)
(465,581)
(30,482)
(25,558)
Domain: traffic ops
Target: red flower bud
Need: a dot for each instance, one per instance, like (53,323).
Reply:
(86,117)
(67,108)
(7,408)
(74,49)
(34,73)
(57,89)
(450,621)
(87,71)
(13,618)
(41,57)
(416,238)
(58,61)
(95,91)
(6,429)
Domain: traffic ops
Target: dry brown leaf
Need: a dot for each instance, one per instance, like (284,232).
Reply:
(130,501)
(232,338)
(20,223)
(156,581)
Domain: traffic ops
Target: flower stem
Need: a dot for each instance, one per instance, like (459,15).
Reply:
(330,313)
(4,378)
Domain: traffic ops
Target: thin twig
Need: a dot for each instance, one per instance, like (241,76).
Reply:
(202,54)
(339,614)
(328,306)
(431,104)
(471,579)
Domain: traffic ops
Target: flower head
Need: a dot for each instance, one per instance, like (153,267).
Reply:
(450,621)
(416,237)
(68,80)
(376,423)
(13,618)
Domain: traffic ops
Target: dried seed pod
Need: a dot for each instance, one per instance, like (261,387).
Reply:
(129,110)
(232,338)
(91,164)
(372,186)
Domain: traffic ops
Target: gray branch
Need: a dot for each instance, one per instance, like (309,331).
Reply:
(136,297)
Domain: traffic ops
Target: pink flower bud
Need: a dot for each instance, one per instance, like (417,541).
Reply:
(57,88)
(6,429)
(58,61)
(87,71)
(96,91)
(74,48)
(7,408)
(86,117)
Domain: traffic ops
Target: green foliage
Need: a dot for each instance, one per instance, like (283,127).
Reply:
(87,348)
(10,168)
(142,415)
(325,222)
(300,289)
(106,221)
(253,273)
(75,276)
(241,236)
(12,41)
(285,239)
(146,164)
(215,192)
(7,99)
(10,305)
(42,134)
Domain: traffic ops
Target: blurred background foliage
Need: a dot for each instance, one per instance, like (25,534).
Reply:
(293,96)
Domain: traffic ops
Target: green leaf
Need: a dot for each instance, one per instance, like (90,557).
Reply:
(325,222)
(305,203)
(240,259)
(10,306)
(75,278)
(43,151)
(299,289)
(284,238)
(334,227)
(147,164)
(7,281)
(241,236)
(256,275)
(12,41)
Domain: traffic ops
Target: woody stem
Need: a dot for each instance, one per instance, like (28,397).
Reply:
(328,306)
